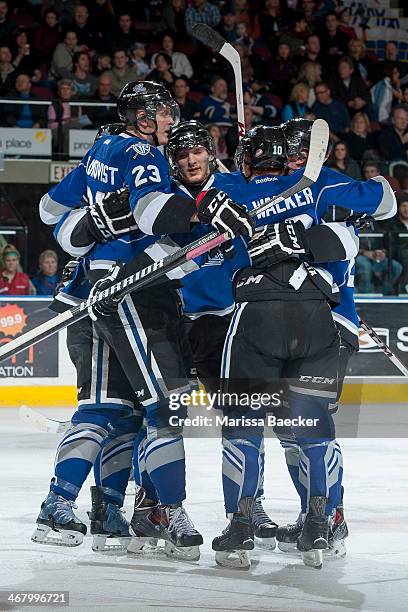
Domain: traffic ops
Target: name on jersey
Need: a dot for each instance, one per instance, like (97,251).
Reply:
(302,198)
(100,171)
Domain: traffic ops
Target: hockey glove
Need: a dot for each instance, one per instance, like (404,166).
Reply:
(109,305)
(216,208)
(278,242)
(110,216)
(66,275)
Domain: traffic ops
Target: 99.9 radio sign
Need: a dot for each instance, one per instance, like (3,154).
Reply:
(17,317)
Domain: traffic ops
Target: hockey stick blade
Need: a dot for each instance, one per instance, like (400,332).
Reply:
(142,278)
(213,39)
(208,36)
(384,347)
(41,422)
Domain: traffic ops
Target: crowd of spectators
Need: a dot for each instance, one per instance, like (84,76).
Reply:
(300,58)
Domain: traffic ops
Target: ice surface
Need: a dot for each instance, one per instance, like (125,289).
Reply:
(374,575)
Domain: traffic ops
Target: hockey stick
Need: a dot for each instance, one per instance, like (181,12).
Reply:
(213,39)
(386,349)
(41,422)
(145,276)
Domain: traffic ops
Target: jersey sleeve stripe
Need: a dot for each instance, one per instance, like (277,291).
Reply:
(388,205)
(70,237)
(51,211)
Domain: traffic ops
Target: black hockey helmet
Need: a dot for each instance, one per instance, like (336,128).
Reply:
(262,147)
(186,135)
(146,96)
(297,134)
(110,129)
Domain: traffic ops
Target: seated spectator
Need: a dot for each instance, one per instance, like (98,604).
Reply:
(372,168)
(244,37)
(162,73)
(208,63)
(47,35)
(84,82)
(100,115)
(333,41)
(332,111)
(312,54)
(392,57)
(24,115)
(399,225)
(262,108)
(63,117)
(404,91)
(393,141)
(137,60)
(372,275)
(123,35)
(47,278)
(297,105)
(179,61)
(309,11)
(219,141)
(269,23)
(386,93)
(12,281)
(360,138)
(344,18)
(188,108)
(201,11)
(89,36)
(24,60)
(342,162)
(311,74)
(102,62)
(282,72)
(215,108)
(298,32)
(61,64)
(228,25)
(365,64)
(172,19)
(7,71)
(7,26)
(349,88)
(120,72)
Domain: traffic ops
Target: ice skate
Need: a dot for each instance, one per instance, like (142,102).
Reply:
(287,535)
(185,540)
(237,539)
(107,523)
(148,525)
(263,526)
(57,515)
(315,533)
(338,532)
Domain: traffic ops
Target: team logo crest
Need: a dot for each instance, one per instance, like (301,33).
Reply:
(140,148)
(139,88)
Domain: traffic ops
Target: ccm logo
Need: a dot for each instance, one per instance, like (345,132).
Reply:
(320,380)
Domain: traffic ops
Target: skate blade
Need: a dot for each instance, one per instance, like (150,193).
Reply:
(235,559)
(265,543)
(183,553)
(99,543)
(337,551)
(144,546)
(313,558)
(68,538)
(288,547)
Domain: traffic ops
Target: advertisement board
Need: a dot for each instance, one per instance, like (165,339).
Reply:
(25,142)
(80,141)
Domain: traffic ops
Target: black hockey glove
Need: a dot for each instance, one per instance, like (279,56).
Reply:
(108,306)
(66,275)
(110,216)
(278,242)
(216,208)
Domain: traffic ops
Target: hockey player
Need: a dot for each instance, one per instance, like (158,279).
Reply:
(142,333)
(250,363)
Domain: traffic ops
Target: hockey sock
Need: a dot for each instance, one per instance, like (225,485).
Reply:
(240,470)
(142,478)
(319,470)
(166,467)
(112,468)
